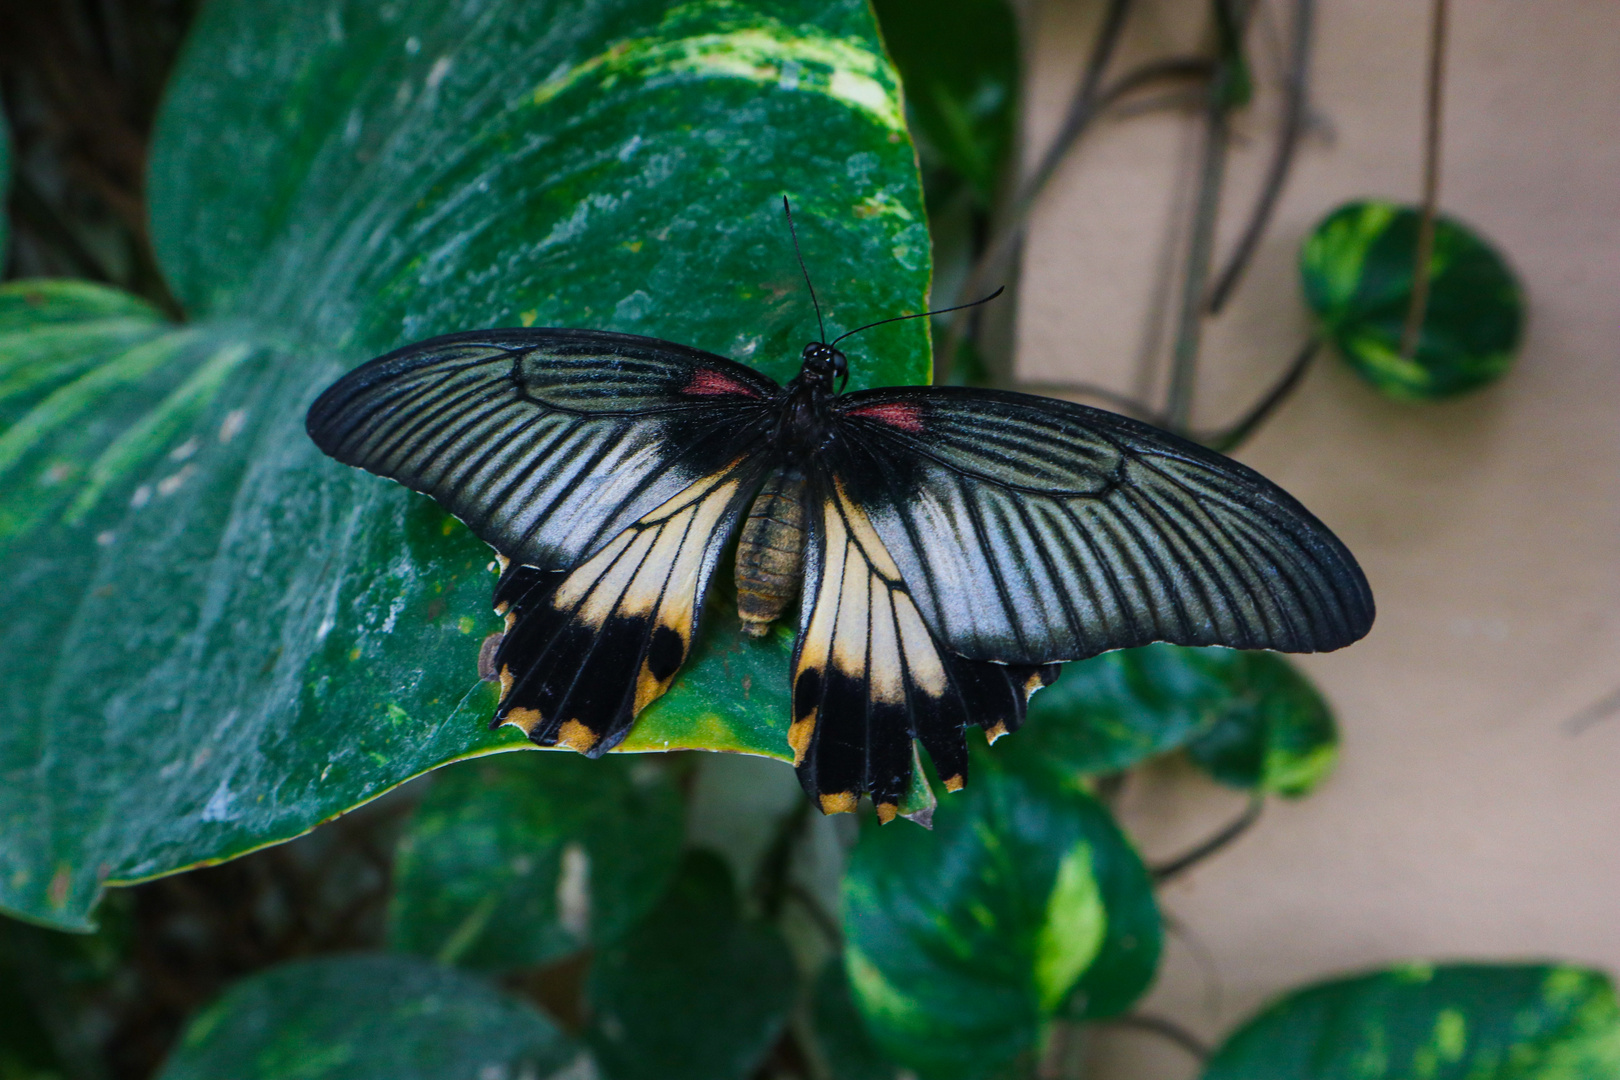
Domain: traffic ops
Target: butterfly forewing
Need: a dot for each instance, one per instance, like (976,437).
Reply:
(1031,530)
(547,443)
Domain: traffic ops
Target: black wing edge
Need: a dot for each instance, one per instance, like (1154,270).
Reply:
(1350,583)
(331,403)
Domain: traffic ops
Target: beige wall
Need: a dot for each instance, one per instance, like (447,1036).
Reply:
(1466,818)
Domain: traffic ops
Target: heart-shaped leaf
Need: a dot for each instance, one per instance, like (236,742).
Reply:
(1447,1022)
(1024,902)
(364,1017)
(218,638)
(1357,267)
(521,859)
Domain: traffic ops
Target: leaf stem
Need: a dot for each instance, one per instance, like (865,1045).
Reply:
(1179,865)
(1295,109)
(1418,308)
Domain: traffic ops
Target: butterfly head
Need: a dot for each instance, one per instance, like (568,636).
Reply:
(823,364)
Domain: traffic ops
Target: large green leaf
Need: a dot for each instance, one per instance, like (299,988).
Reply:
(1275,734)
(1025,901)
(364,1017)
(524,858)
(217,637)
(695,992)
(1425,1022)
(1357,269)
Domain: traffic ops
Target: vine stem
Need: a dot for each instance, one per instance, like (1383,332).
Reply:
(1189,321)
(1295,110)
(1419,305)
(1166,1028)
(1082,110)
(1205,848)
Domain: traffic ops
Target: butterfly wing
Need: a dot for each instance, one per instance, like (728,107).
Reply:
(1032,530)
(608,470)
(547,443)
(869,676)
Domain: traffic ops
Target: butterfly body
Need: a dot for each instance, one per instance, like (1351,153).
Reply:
(948,547)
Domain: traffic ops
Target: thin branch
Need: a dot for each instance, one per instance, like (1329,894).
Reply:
(819,915)
(1232,437)
(1189,323)
(1296,109)
(1179,865)
(1594,713)
(1418,308)
(1166,1028)
(1082,110)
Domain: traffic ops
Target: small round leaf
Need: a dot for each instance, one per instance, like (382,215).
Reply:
(1357,268)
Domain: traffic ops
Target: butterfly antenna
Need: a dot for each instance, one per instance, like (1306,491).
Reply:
(788,210)
(922,314)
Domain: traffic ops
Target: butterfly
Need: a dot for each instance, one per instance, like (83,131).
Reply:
(948,547)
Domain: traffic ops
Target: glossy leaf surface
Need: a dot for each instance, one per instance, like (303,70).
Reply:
(520,859)
(1023,902)
(360,1017)
(1357,269)
(220,637)
(695,992)
(1275,733)
(1447,1022)
(1112,711)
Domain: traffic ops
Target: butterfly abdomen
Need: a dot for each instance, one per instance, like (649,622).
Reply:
(770,553)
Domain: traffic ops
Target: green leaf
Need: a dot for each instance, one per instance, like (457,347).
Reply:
(219,638)
(959,63)
(1110,712)
(1357,271)
(846,1047)
(358,1017)
(1275,734)
(1427,1022)
(523,858)
(693,993)
(1023,902)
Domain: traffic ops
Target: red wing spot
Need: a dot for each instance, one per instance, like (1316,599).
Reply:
(707,382)
(897,414)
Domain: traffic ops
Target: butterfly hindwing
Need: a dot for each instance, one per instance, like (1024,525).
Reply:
(1032,530)
(869,677)
(547,443)
(588,648)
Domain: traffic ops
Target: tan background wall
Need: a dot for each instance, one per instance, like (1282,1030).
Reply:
(1466,818)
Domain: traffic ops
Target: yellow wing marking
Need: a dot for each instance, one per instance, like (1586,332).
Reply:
(650,571)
